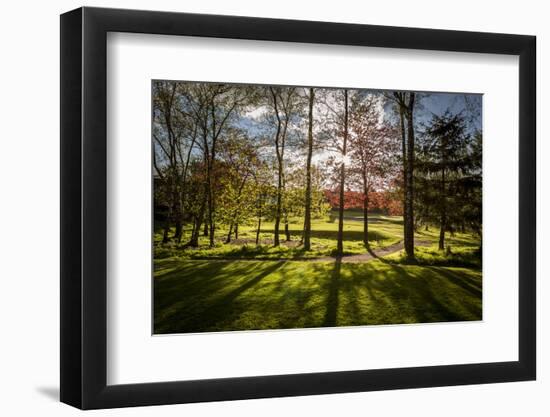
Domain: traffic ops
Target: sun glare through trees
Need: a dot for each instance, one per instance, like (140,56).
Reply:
(282,207)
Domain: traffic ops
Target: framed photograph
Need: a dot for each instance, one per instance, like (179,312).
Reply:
(258,208)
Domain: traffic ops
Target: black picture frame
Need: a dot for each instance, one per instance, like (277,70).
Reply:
(84,207)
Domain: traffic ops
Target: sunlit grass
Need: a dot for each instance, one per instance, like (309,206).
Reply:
(242,286)
(468,256)
(202,296)
(383,231)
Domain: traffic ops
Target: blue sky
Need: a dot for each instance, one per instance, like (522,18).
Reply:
(468,104)
(428,104)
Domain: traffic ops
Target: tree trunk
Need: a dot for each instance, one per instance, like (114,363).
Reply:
(365,214)
(278,211)
(179,230)
(307,216)
(259,219)
(209,164)
(283,190)
(258,230)
(166,231)
(169,215)
(442,233)
(236,231)
(177,218)
(167,222)
(177,213)
(194,241)
(409,187)
(194,225)
(211,195)
(228,239)
(173,174)
(205,232)
(279,172)
(287,231)
(404,150)
(210,210)
(340,243)
(443,221)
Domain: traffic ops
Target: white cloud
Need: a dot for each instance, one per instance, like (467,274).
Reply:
(257,113)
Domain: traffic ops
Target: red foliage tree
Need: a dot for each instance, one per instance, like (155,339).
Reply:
(373,147)
(385,202)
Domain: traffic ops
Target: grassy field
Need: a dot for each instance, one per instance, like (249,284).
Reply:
(240,286)
(384,231)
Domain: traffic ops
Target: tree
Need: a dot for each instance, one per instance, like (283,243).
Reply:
(335,119)
(165,140)
(307,214)
(340,236)
(238,163)
(448,174)
(174,134)
(405,104)
(215,105)
(196,202)
(282,102)
(262,192)
(371,149)
(472,210)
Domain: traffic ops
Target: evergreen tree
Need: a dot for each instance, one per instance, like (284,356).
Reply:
(448,175)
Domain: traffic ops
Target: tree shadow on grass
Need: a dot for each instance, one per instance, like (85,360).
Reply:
(332,298)
(349,235)
(419,288)
(395,294)
(203,296)
(201,316)
(200,278)
(466,283)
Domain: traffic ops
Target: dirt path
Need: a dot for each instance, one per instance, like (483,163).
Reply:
(360,258)
(366,257)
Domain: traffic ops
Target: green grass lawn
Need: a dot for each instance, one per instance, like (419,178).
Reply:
(383,231)
(244,287)
(202,296)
